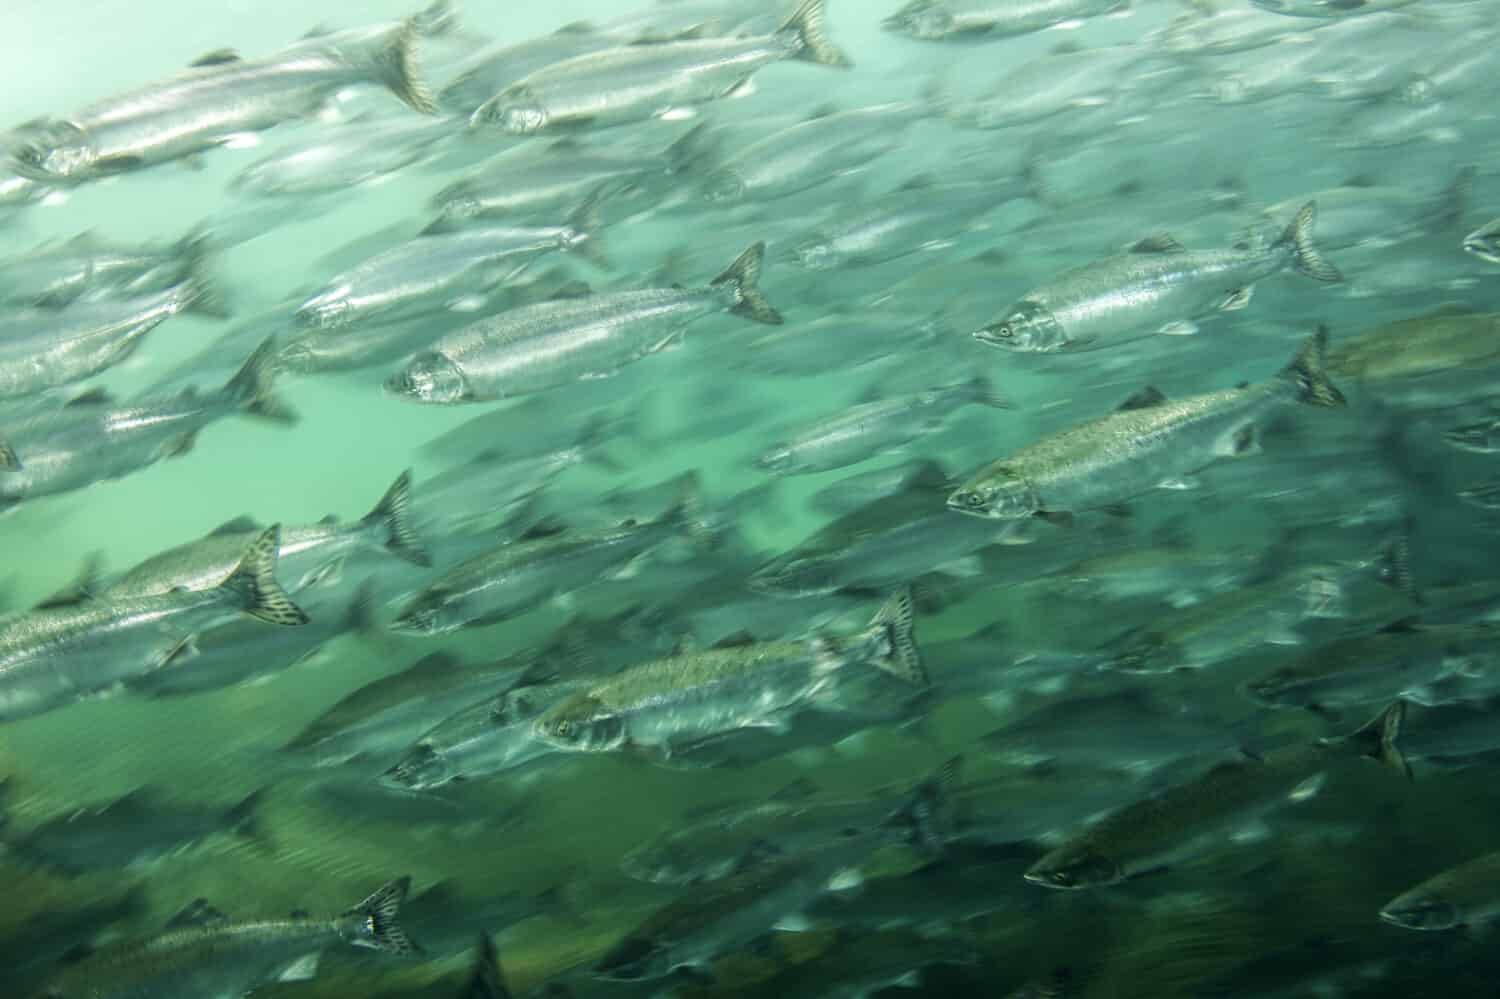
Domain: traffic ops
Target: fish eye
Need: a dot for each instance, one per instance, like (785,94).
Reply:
(1005,331)
(971,498)
(562,727)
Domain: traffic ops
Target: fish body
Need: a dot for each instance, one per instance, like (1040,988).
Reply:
(87,266)
(206,106)
(812,152)
(965,20)
(495,68)
(1157,288)
(91,439)
(669,704)
(550,344)
(359,153)
(1132,450)
(139,827)
(42,349)
(227,960)
(1175,823)
(870,428)
(637,82)
(55,655)
(432,273)
(306,554)
(919,216)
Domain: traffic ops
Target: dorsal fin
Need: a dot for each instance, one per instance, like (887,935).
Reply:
(797,790)
(332,518)
(822,111)
(93,397)
(918,182)
(1142,399)
(1159,242)
(547,527)
(738,639)
(1065,48)
(243,524)
(82,587)
(218,57)
(576,28)
(198,912)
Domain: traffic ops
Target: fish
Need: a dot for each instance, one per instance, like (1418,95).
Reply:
(307,554)
(140,827)
(831,143)
(668,705)
(221,958)
(94,438)
(638,82)
(504,581)
(867,429)
(1172,825)
(1160,287)
(1141,445)
(486,980)
(88,266)
(1484,242)
(968,20)
(443,271)
(53,656)
(361,152)
(552,344)
(1464,895)
(223,96)
(43,349)
(1360,212)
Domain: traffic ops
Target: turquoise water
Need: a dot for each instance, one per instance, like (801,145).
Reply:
(1185,145)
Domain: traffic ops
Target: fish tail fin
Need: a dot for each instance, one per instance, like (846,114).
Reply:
(393,515)
(743,276)
(893,641)
(1306,257)
(810,36)
(486,981)
(926,818)
(360,617)
(375,922)
(1393,563)
(1307,374)
(698,143)
(397,67)
(250,387)
(253,583)
(584,234)
(1379,738)
(438,18)
(202,293)
(244,818)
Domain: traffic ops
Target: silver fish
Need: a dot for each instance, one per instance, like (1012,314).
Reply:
(53,276)
(222,96)
(963,20)
(94,438)
(223,959)
(549,344)
(55,655)
(637,82)
(1465,895)
(1134,449)
(870,428)
(1158,288)
(1484,242)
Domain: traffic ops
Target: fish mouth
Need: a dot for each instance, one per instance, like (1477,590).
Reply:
(1484,249)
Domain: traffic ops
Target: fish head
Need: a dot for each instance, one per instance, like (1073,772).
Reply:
(327,310)
(54,151)
(1485,243)
(998,492)
(580,724)
(635,957)
(921,19)
(1029,327)
(724,186)
(779,460)
(514,111)
(788,576)
(1419,910)
(429,377)
(422,768)
(1070,868)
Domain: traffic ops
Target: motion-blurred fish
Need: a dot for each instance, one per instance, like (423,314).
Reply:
(53,656)
(226,959)
(1465,895)
(638,82)
(965,20)
(87,265)
(1484,242)
(1183,819)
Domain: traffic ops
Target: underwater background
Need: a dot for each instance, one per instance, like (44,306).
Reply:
(1164,139)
